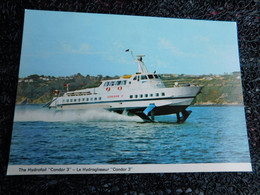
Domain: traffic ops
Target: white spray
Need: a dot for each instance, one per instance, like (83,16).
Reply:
(75,115)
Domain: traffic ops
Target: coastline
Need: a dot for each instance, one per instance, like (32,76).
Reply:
(195,105)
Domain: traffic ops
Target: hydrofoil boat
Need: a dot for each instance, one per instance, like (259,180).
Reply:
(143,94)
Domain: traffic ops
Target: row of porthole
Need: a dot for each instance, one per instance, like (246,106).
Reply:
(99,98)
(147,95)
(81,100)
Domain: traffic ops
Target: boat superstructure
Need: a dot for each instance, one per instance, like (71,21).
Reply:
(143,94)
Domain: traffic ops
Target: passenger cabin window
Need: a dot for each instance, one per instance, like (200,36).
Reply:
(146,95)
(135,78)
(141,95)
(131,96)
(156,76)
(112,83)
(124,82)
(150,76)
(143,77)
(118,82)
(157,94)
(136,96)
(163,94)
(151,95)
(99,98)
(106,84)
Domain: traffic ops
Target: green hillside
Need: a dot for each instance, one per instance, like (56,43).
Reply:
(218,89)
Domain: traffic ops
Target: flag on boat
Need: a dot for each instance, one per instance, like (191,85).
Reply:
(67,86)
(56,92)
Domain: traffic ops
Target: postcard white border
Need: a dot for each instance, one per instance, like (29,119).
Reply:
(126,169)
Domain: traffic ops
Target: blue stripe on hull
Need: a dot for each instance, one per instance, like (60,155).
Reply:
(162,110)
(122,101)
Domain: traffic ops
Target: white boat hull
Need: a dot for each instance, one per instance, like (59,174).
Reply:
(173,101)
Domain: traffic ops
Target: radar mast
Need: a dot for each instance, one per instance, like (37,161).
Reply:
(141,66)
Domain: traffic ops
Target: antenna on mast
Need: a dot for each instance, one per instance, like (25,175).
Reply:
(141,64)
(132,54)
(141,67)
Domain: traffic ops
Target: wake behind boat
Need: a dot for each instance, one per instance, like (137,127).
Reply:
(143,94)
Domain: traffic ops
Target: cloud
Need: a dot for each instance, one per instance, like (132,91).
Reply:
(63,48)
(119,59)
(200,38)
(166,44)
(226,55)
(81,49)
(118,46)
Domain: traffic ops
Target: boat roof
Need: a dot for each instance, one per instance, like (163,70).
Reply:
(133,77)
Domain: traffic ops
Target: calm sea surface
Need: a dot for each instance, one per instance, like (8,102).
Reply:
(210,135)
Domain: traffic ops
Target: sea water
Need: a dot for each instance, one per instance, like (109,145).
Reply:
(211,134)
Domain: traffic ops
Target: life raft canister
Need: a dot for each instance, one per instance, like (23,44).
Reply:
(119,88)
(108,89)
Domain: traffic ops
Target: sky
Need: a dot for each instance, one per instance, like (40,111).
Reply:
(67,43)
